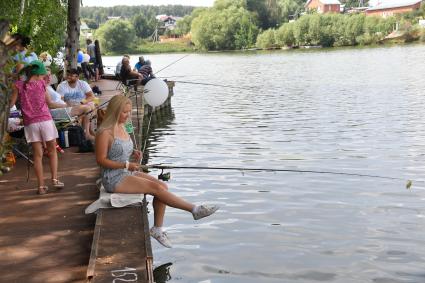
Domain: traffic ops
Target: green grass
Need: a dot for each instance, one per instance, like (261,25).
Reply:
(144,47)
(166,47)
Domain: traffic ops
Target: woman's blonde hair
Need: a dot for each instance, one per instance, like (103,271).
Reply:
(115,107)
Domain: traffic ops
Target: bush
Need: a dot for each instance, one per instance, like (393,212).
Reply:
(116,36)
(225,28)
(367,39)
(266,39)
(285,35)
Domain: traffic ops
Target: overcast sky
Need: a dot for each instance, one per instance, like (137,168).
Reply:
(109,3)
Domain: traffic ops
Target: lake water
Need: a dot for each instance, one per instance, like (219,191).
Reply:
(343,110)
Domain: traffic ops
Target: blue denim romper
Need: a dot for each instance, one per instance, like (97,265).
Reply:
(120,151)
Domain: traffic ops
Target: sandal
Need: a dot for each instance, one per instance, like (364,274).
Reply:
(57,184)
(42,190)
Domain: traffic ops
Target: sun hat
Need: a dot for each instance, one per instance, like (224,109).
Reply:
(38,68)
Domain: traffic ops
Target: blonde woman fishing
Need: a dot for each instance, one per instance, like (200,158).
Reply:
(114,148)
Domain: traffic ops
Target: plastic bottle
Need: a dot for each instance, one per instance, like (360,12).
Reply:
(66,143)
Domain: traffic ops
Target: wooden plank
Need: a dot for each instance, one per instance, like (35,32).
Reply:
(94,246)
(123,251)
(147,240)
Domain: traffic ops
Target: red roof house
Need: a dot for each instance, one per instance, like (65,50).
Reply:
(324,6)
(390,7)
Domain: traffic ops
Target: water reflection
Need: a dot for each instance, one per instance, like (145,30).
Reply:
(160,123)
(161,274)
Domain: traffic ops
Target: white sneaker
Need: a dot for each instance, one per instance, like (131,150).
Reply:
(204,210)
(160,236)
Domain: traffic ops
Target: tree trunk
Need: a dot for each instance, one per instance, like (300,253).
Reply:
(73,30)
(5,86)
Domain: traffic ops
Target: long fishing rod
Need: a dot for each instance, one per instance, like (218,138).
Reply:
(155,166)
(172,63)
(219,85)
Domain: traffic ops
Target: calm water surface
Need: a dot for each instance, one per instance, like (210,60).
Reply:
(348,110)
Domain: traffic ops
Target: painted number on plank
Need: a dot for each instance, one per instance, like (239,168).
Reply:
(127,274)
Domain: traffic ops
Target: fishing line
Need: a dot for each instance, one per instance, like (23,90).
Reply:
(408,185)
(209,84)
(171,63)
(146,136)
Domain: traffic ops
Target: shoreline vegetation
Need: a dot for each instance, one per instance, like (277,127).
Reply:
(227,25)
(163,48)
(241,25)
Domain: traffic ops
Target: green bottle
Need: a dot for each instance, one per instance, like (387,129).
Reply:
(129,127)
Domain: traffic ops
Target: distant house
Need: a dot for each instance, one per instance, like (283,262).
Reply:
(114,18)
(168,22)
(85,31)
(324,6)
(391,7)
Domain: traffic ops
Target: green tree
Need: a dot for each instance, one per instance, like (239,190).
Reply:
(225,4)
(43,21)
(224,27)
(116,35)
(144,26)
(285,35)
(266,39)
(184,25)
(301,30)
(289,9)
(260,12)
(354,27)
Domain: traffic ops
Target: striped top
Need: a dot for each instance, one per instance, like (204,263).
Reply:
(146,71)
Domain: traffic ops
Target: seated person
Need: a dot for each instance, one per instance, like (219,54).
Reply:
(79,96)
(114,148)
(129,77)
(77,110)
(118,67)
(146,72)
(139,64)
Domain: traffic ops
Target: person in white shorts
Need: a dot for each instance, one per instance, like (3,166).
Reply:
(39,127)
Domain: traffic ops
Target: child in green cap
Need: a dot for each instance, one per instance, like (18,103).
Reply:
(38,123)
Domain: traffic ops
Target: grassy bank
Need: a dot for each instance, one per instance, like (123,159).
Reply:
(165,47)
(181,47)
(157,47)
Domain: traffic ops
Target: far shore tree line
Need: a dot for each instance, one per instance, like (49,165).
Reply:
(243,24)
(228,25)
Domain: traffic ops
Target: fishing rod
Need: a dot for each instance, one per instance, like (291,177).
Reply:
(172,63)
(209,84)
(162,167)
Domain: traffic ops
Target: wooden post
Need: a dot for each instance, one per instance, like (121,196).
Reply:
(5,89)
(73,30)
(141,108)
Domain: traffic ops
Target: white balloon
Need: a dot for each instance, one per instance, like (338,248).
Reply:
(86,58)
(48,60)
(156,92)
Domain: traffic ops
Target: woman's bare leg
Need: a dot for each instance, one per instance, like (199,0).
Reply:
(38,162)
(158,206)
(53,158)
(140,185)
(85,119)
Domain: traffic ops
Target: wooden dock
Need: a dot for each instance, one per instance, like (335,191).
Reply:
(49,239)
(121,246)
